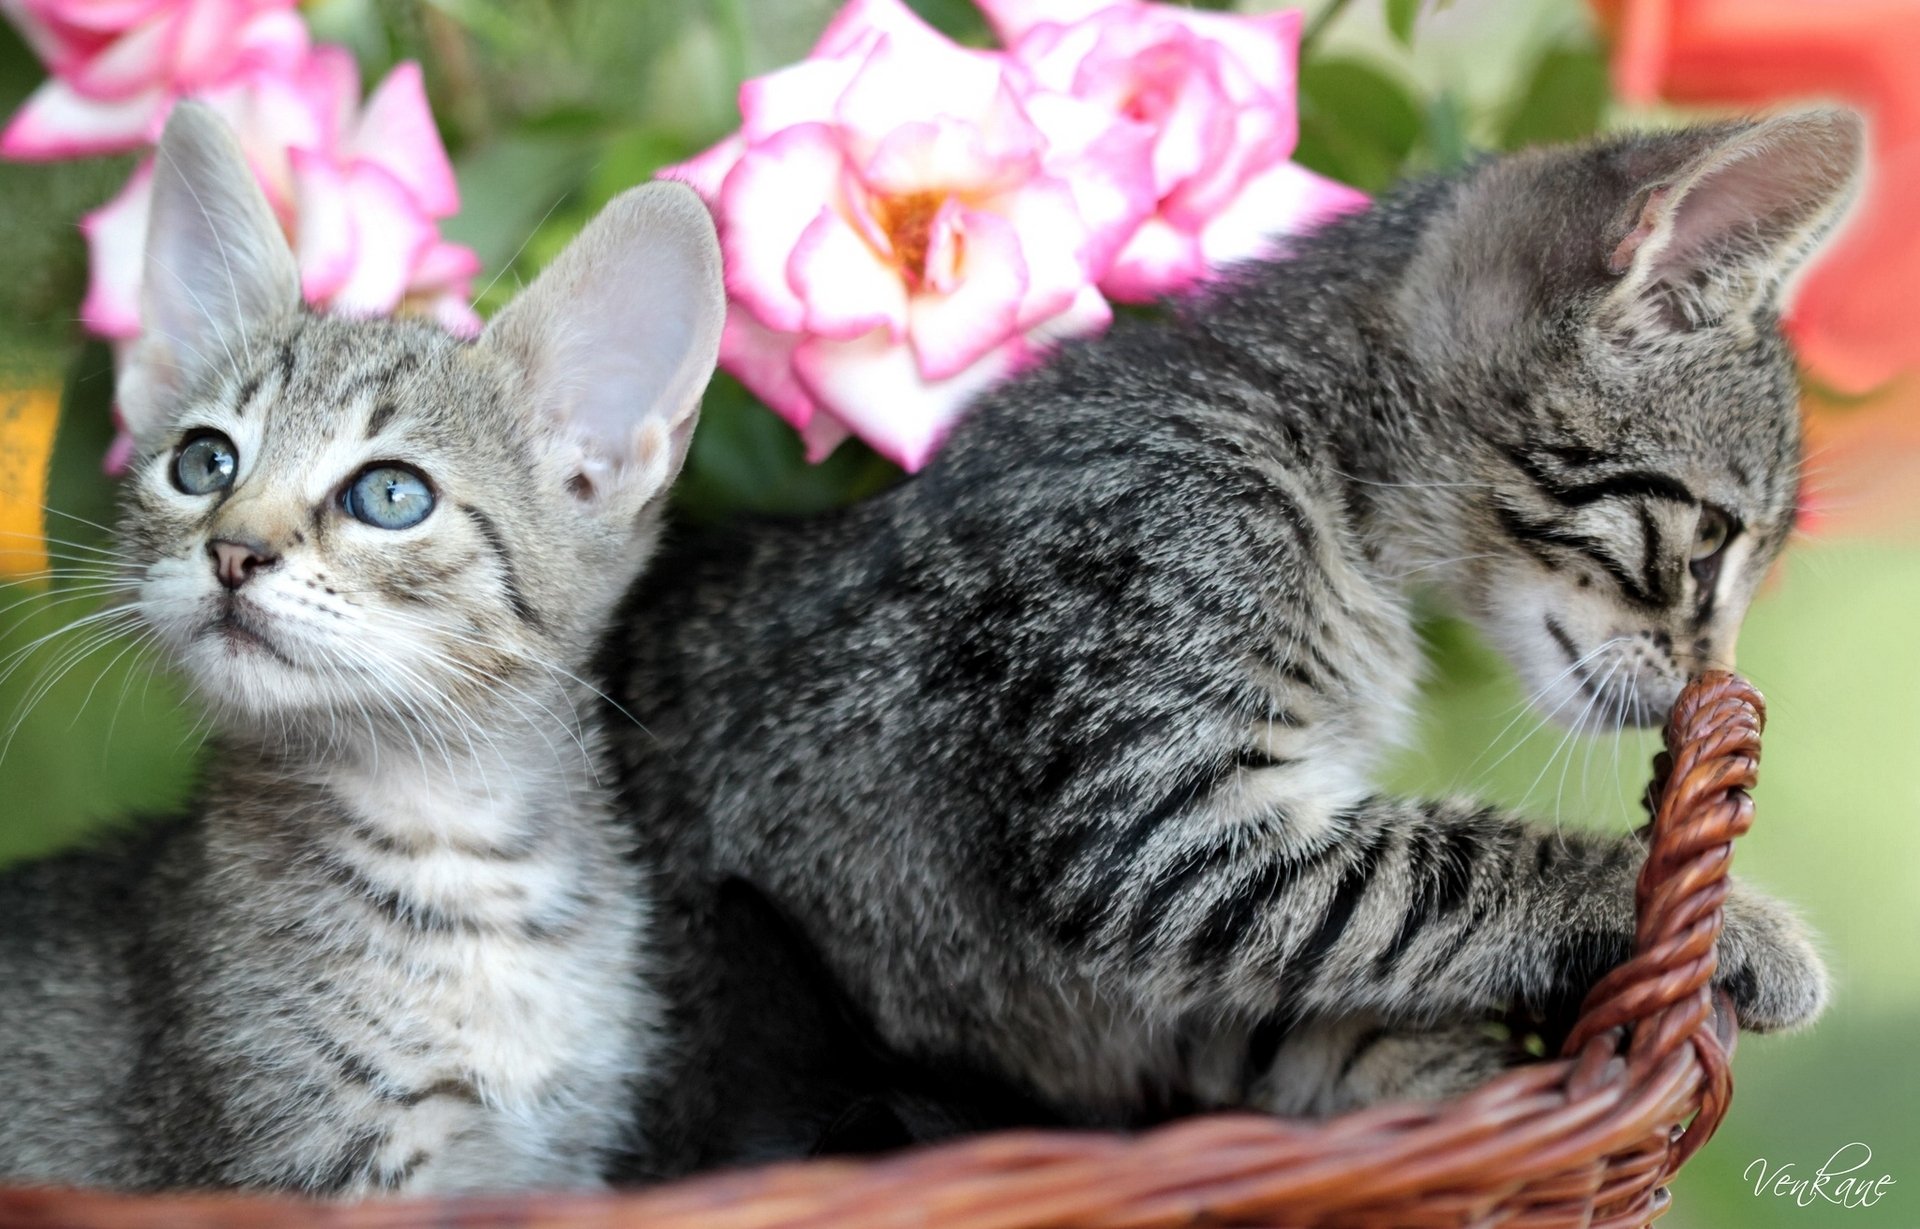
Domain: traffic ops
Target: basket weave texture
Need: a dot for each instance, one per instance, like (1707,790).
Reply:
(1587,1140)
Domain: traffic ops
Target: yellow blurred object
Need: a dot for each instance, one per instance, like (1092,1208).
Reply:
(27,420)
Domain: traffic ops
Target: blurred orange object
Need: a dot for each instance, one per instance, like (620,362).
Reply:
(27,420)
(1856,317)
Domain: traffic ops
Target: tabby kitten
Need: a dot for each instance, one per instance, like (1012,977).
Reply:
(1064,751)
(398,944)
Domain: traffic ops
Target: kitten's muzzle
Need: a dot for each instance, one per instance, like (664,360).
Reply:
(235,562)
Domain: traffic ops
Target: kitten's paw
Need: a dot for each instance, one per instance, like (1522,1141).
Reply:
(1428,1065)
(1334,1066)
(1769,965)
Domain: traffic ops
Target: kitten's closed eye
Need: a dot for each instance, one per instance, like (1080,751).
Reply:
(1710,541)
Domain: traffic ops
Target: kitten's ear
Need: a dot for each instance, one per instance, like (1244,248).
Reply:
(216,267)
(1722,235)
(618,338)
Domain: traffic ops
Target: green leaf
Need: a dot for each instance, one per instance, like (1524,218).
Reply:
(80,497)
(744,458)
(632,157)
(1564,100)
(1446,135)
(1357,124)
(511,190)
(1401,14)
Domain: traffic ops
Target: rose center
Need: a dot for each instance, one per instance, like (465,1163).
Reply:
(907,222)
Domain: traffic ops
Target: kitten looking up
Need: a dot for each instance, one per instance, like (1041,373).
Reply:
(1065,752)
(398,944)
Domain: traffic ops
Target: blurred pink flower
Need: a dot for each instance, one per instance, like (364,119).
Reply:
(1218,91)
(118,65)
(906,221)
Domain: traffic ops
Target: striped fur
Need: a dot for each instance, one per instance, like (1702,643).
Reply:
(399,944)
(1064,751)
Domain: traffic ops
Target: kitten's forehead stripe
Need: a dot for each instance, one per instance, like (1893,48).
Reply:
(382,382)
(383,412)
(288,361)
(243,399)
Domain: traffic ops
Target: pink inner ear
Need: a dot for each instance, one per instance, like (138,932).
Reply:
(1622,258)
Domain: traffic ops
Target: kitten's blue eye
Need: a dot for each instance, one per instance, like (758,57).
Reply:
(388,497)
(205,463)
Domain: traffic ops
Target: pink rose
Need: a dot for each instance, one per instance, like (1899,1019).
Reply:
(906,221)
(1218,91)
(118,65)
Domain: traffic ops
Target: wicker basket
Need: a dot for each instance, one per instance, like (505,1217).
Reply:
(1588,1139)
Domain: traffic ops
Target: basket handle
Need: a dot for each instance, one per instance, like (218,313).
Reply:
(1700,805)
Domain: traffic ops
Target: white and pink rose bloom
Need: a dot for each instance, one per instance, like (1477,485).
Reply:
(907,221)
(360,189)
(1218,91)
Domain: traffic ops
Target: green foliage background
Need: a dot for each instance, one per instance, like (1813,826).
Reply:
(552,106)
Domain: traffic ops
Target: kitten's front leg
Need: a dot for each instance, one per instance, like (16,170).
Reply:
(446,1142)
(1413,909)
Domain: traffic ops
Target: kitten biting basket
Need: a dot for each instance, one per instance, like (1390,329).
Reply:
(1589,1139)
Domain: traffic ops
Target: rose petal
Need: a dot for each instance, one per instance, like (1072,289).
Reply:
(1159,259)
(443,266)
(324,243)
(57,122)
(898,83)
(1089,313)
(949,155)
(950,332)
(822,435)
(858,20)
(1286,200)
(397,132)
(875,388)
(118,456)
(1056,251)
(705,172)
(804,93)
(58,44)
(328,83)
(1012,19)
(453,313)
(1107,164)
(206,42)
(1261,140)
(846,288)
(389,234)
(276,40)
(1266,46)
(762,359)
(138,61)
(116,235)
(768,200)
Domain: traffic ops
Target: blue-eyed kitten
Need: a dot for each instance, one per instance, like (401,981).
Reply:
(398,944)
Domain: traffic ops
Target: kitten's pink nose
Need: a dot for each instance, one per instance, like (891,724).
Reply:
(236,562)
